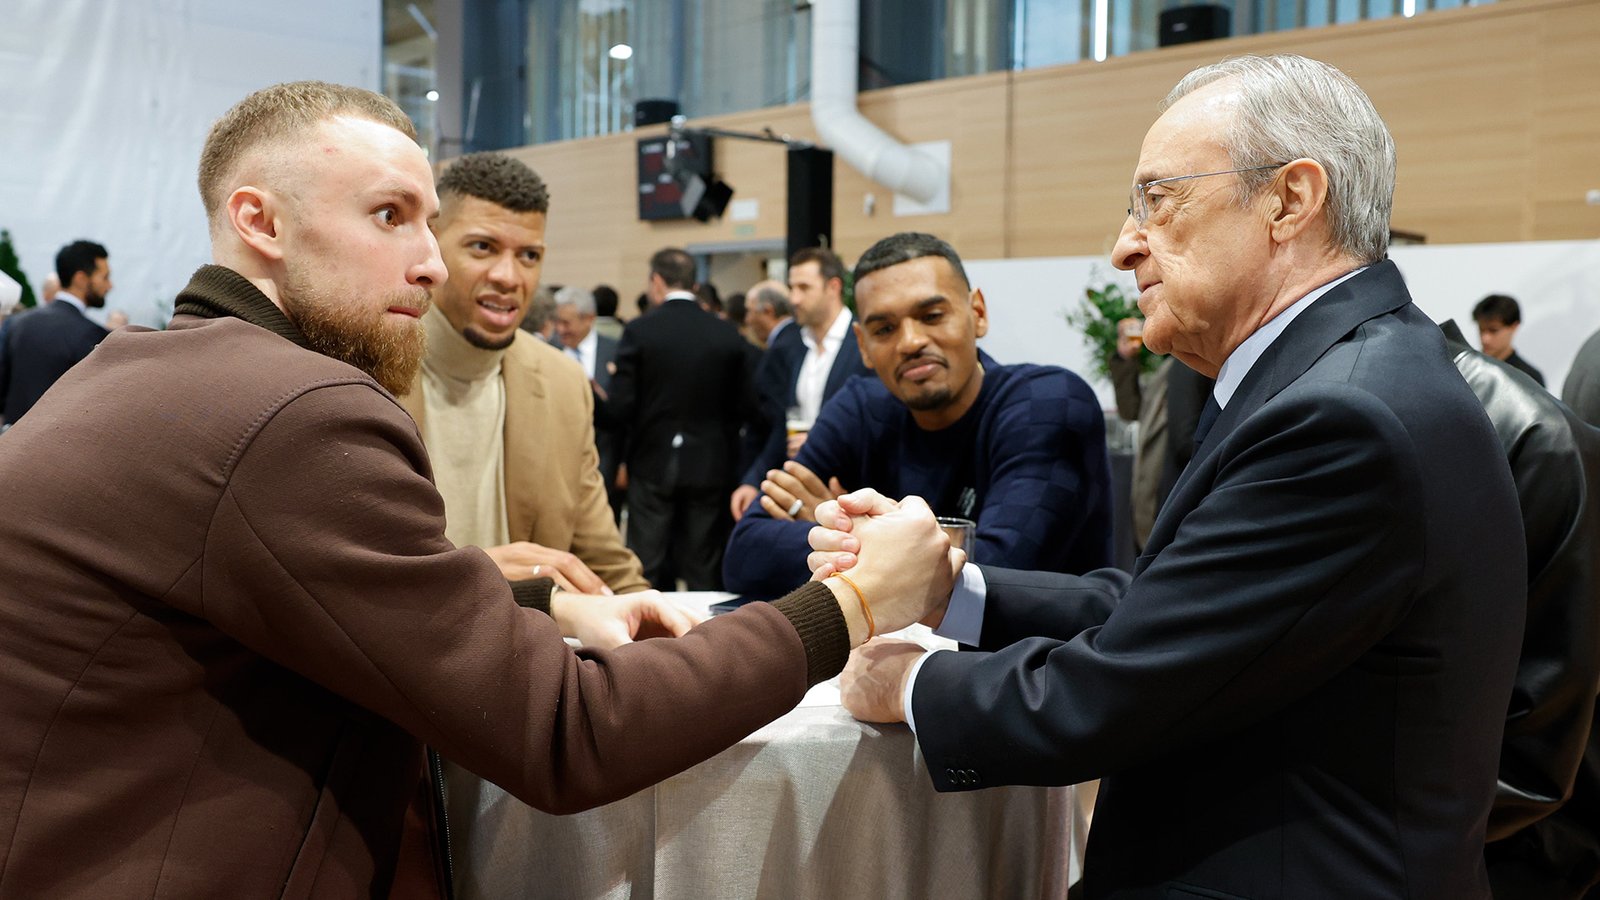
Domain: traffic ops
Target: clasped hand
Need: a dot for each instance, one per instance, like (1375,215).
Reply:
(896,553)
(885,544)
(605,622)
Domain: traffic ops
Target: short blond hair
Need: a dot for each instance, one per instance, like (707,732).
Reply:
(280,112)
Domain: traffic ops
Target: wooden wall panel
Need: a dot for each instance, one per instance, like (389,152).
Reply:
(1495,112)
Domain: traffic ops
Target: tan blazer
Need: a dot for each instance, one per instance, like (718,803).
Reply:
(555,496)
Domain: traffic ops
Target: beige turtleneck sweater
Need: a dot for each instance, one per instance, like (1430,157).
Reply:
(464,400)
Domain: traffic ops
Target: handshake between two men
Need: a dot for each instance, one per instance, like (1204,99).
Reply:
(892,552)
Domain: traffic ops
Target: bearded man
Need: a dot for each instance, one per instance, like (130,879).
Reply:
(219,668)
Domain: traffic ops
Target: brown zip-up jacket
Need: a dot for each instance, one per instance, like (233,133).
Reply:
(229,619)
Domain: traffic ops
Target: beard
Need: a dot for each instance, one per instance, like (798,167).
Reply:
(358,333)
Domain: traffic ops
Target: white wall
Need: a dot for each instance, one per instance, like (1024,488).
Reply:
(1556,282)
(104,105)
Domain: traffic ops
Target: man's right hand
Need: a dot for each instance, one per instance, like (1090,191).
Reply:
(743,496)
(1130,337)
(523,560)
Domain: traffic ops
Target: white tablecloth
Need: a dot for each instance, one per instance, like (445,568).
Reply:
(814,805)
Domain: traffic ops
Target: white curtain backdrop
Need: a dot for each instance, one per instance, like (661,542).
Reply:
(1557,284)
(104,105)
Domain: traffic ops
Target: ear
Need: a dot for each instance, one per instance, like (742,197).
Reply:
(861,342)
(980,313)
(253,215)
(1299,196)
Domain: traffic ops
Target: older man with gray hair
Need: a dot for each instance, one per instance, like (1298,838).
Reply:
(768,310)
(596,354)
(1300,690)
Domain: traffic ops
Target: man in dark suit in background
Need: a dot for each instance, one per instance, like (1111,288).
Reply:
(681,389)
(576,327)
(810,362)
(40,347)
(1301,690)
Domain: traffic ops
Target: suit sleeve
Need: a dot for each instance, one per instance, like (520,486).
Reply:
(623,397)
(336,567)
(1047,505)
(595,539)
(1281,576)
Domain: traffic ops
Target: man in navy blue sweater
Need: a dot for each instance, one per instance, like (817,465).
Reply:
(1019,449)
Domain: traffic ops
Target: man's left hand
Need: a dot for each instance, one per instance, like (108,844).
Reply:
(873,684)
(792,483)
(607,622)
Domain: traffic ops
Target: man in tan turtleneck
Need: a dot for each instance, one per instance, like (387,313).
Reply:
(507,419)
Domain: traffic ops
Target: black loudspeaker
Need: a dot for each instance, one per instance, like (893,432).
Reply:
(653,112)
(810,200)
(1187,24)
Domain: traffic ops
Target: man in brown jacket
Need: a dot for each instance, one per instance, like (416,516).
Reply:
(507,418)
(217,671)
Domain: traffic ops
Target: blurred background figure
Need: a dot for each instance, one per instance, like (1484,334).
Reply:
(40,347)
(541,320)
(1498,318)
(605,309)
(681,392)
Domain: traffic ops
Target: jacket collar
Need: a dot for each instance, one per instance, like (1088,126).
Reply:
(217,292)
(1377,291)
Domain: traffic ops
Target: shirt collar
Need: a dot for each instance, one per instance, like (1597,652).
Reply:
(680,295)
(836,331)
(588,344)
(66,296)
(1243,358)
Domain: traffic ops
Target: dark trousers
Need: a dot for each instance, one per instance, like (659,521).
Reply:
(679,533)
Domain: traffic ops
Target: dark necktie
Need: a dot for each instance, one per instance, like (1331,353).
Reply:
(1208,417)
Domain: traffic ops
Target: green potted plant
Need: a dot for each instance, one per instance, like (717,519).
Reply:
(1104,304)
(10,265)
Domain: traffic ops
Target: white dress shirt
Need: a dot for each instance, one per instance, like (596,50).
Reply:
(67,296)
(963,618)
(584,353)
(813,379)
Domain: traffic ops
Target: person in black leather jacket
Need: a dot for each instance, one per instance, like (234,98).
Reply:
(1544,829)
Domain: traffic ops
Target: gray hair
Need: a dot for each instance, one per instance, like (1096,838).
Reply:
(1291,108)
(571,295)
(541,309)
(770,296)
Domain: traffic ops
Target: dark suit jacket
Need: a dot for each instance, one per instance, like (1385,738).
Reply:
(1301,692)
(38,347)
(777,379)
(681,390)
(606,438)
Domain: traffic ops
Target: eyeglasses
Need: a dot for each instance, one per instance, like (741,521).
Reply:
(1141,204)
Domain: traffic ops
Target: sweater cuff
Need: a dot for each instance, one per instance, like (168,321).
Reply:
(533,593)
(815,614)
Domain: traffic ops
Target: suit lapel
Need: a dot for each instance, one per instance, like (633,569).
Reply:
(1375,292)
(527,415)
(411,402)
(845,364)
